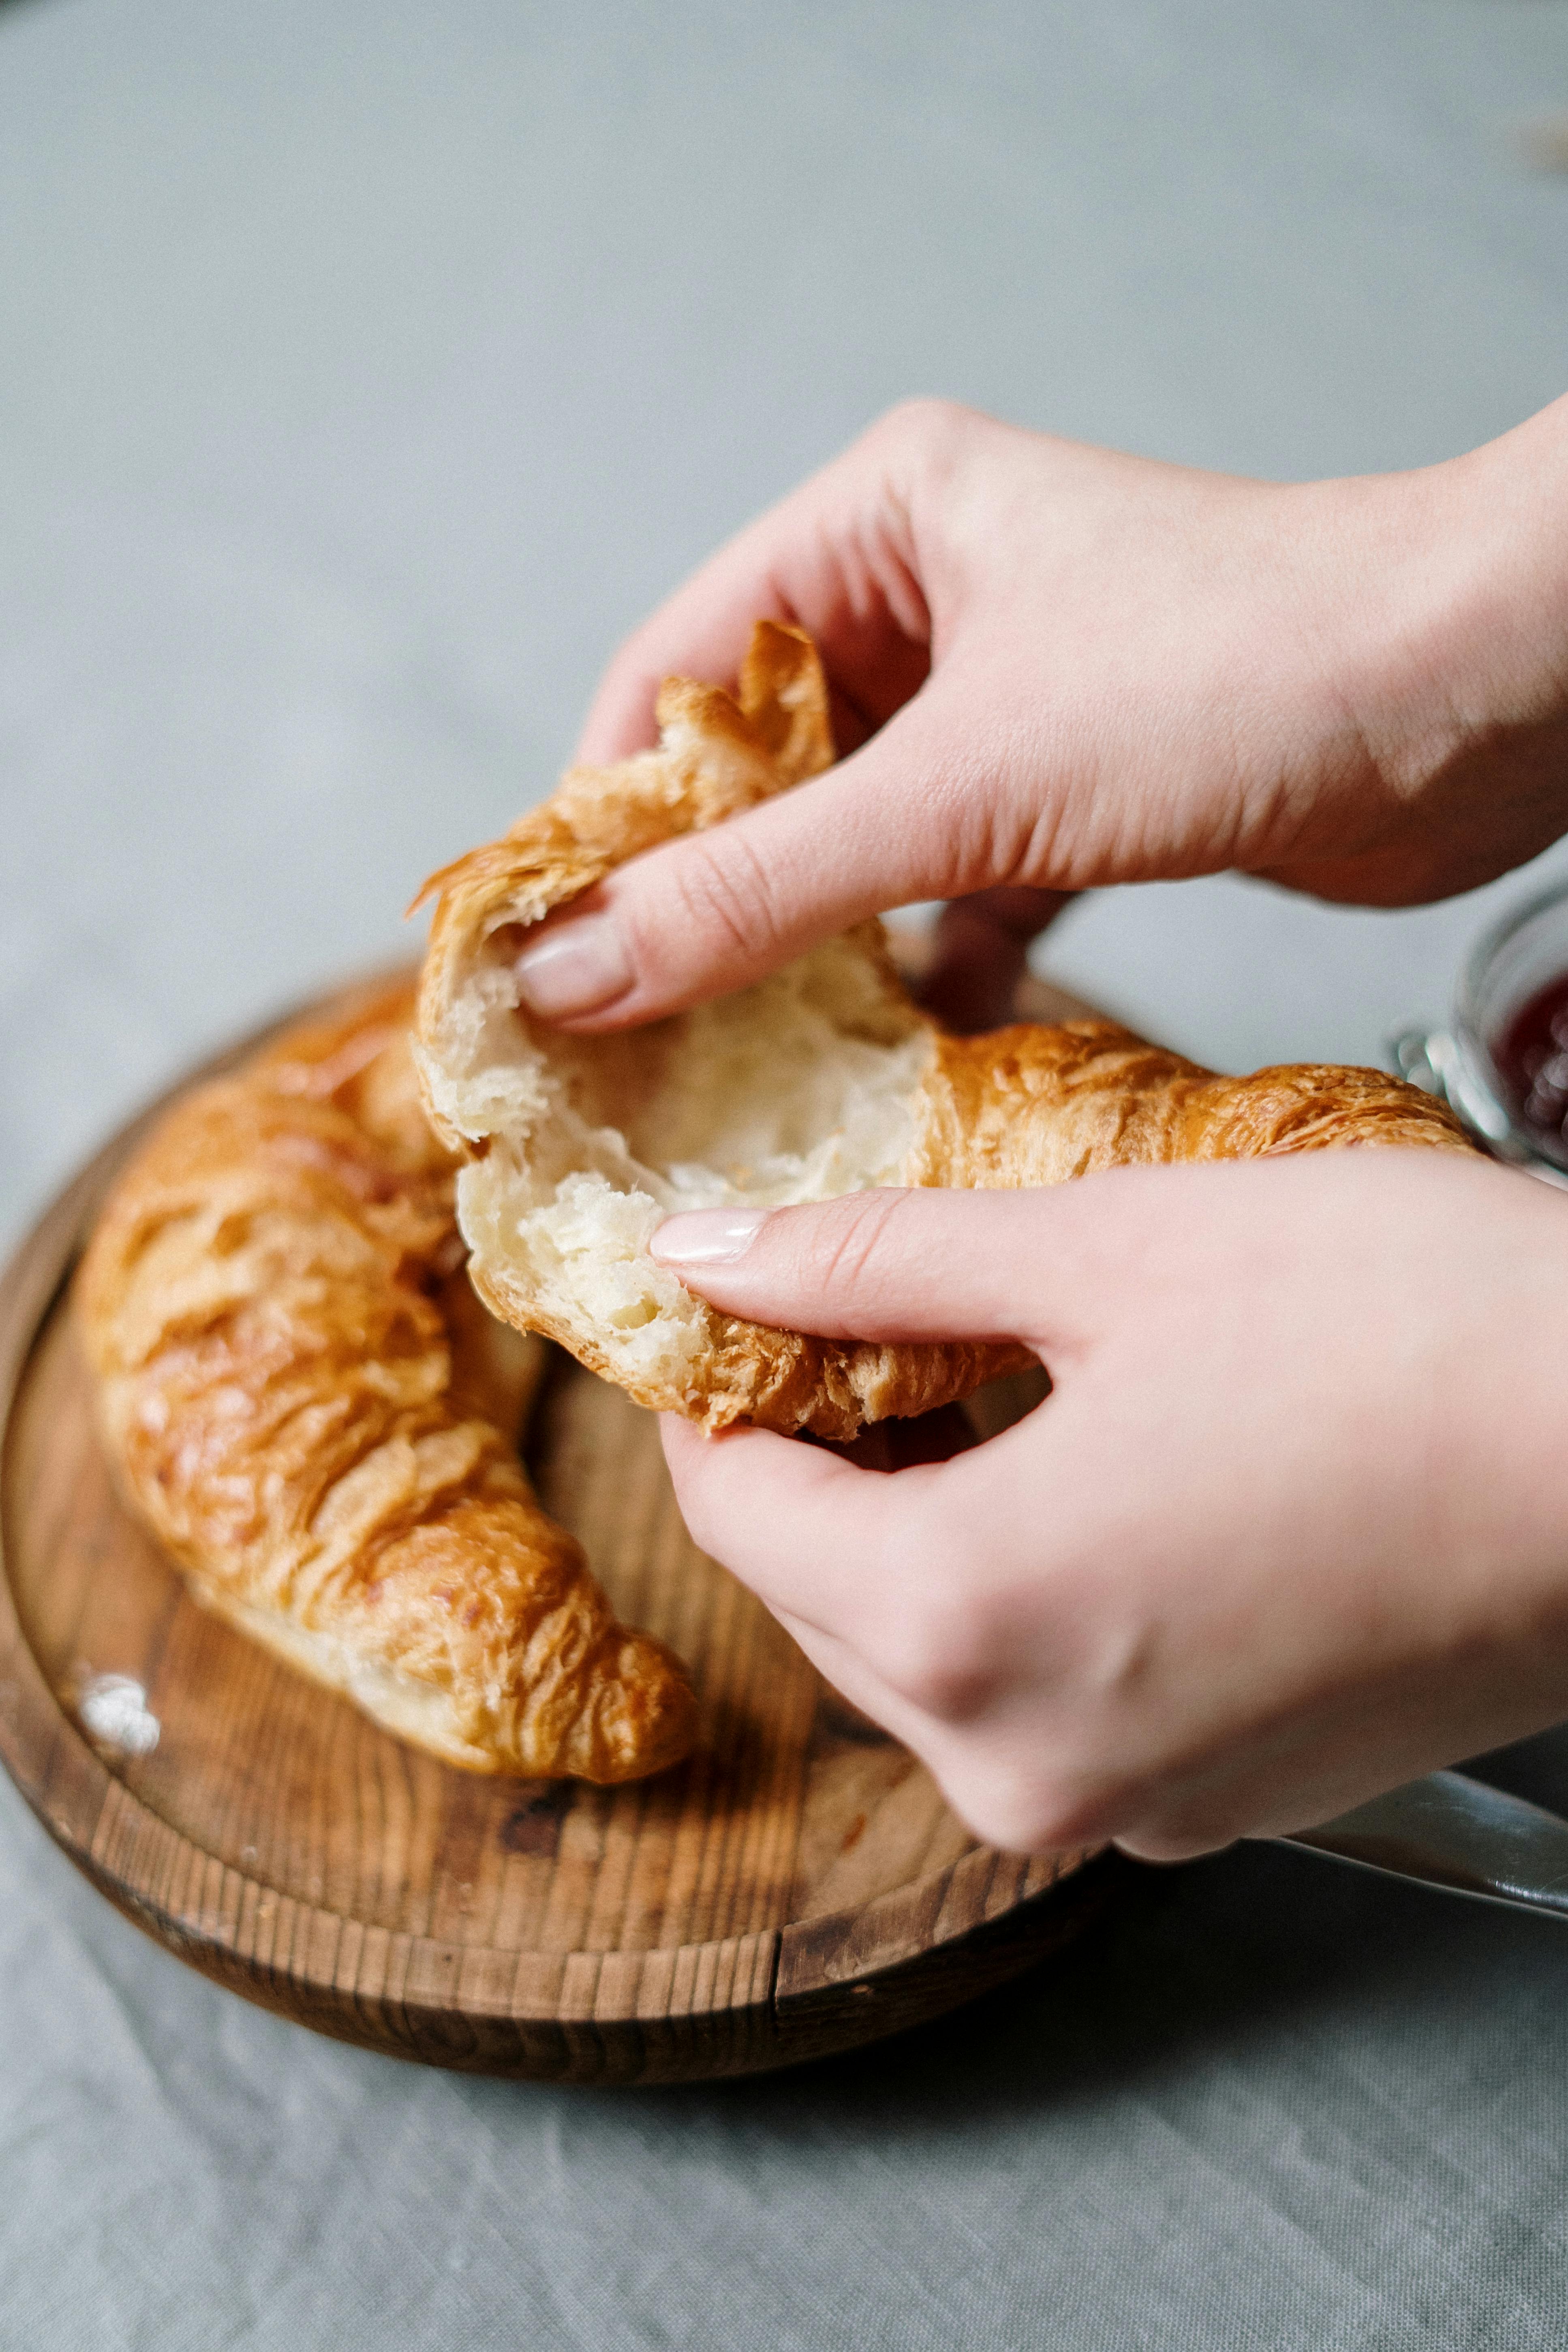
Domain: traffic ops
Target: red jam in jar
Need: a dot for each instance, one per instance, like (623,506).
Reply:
(1531,1059)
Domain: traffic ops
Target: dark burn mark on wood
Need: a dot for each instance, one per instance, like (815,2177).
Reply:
(535,1826)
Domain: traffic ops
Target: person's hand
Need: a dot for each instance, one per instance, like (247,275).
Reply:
(1054,666)
(1288,1530)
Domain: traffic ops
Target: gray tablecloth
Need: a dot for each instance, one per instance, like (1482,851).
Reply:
(364,371)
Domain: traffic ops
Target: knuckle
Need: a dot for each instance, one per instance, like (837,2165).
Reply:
(631,677)
(694,1493)
(715,901)
(923,442)
(858,1227)
(632,668)
(731,890)
(712,1490)
(698,1504)
(938,1658)
(1154,1841)
(926,421)
(1021,1810)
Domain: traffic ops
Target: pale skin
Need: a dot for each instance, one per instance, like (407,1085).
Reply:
(1293,1523)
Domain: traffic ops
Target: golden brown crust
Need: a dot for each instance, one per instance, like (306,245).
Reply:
(717,756)
(306,1407)
(1032,1105)
(786,1381)
(1025,1106)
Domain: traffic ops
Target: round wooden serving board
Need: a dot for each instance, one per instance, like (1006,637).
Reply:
(796,1888)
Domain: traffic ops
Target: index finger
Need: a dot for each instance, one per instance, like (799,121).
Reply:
(836,557)
(879,1578)
(824,1546)
(817,1539)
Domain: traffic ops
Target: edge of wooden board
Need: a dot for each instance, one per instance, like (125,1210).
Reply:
(773,1998)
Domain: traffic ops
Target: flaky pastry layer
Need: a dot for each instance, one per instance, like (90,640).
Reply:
(823,1079)
(305,1402)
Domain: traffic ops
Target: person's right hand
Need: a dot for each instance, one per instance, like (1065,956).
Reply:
(1290,1529)
(1054,666)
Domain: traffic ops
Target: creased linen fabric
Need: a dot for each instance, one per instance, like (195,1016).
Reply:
(366,371)
(1275,2103)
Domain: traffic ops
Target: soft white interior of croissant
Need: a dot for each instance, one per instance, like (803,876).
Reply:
(801,1088)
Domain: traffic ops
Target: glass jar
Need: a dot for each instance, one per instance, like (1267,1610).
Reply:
(1502,1062)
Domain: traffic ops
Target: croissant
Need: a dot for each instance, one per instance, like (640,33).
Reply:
(304,1402)
(823,1079)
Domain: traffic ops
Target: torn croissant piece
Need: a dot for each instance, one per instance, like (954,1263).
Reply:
(823,1079)
(306,1404)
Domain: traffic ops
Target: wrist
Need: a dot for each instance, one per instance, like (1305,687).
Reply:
(1431,614)
(1461,652)
(1492,615)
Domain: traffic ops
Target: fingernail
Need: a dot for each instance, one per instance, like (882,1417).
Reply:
(575,967)
(707,1236)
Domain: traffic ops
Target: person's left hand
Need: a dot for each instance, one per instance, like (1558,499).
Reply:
(1291,1527)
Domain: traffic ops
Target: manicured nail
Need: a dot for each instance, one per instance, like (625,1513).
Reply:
(707,1236)
(575,967)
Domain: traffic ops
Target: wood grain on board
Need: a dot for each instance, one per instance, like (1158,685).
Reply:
(797,1886)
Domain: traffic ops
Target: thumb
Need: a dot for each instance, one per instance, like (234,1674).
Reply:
(913,815)
(888,1266)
